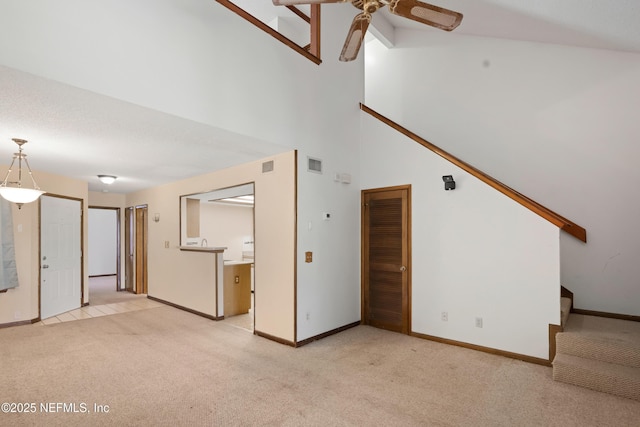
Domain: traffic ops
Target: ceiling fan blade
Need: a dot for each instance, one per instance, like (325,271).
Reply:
(355,36)
(425,13)
(294,2)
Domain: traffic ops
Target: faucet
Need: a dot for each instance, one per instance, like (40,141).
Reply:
(204,243)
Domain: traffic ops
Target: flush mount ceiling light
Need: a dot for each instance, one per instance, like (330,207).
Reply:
(13,191)
(107,179)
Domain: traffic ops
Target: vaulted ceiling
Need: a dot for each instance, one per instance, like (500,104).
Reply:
(44,109)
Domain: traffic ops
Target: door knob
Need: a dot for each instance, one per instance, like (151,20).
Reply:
(403,268)
(45,266)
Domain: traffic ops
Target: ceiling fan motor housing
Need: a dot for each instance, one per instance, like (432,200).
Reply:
(368,6)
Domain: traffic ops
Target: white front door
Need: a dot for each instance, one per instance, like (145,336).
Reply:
(60,251)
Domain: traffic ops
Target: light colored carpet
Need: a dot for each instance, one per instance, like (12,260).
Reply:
(599,353)
(169,367)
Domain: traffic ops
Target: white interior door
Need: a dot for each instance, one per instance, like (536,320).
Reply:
(60,249)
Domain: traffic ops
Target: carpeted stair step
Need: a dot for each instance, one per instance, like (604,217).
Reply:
(611,349)
(598,375)
(565,309)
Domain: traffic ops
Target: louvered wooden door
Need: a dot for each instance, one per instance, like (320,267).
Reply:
(385,248)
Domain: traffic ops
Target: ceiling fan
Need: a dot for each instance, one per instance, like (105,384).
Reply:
(424,13)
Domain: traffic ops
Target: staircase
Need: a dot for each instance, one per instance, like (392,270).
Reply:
(565,309)
(599,353)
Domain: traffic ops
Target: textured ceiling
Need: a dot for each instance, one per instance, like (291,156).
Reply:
(78,133)
(81,134)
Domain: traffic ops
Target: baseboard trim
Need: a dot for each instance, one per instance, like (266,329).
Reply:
(20,323)
(274,338)
(523,357)
(189,310)
(629,317)
(327,334)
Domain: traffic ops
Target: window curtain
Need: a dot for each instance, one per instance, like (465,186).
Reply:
(9,274)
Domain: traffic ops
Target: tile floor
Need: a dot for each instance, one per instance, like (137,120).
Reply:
(103,290)
(89,311)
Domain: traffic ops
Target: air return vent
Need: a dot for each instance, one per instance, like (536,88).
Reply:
(314,165)
(267,166)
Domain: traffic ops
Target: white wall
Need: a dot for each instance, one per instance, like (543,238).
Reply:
(228,226)
(555,123)
(112,200)
(103,242)
(192,58)
(196,59)
(475,252)
(186,278)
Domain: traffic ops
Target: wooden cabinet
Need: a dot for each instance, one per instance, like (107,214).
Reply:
(193,218)
(237,289)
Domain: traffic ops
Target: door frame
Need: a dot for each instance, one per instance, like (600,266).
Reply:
(82,216)
(406,297)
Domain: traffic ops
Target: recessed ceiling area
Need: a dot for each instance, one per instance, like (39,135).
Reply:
(237,195)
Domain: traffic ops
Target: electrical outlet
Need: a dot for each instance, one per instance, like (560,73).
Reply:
(444,316)
(308,257)
(478,322)
(308,315)
(166,244)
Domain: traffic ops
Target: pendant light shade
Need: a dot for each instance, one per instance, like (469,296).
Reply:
(13,191)
(20,195)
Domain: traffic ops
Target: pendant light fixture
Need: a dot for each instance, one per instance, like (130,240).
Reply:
(13,191)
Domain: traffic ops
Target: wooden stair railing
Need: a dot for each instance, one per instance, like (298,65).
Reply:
(312,53)
(561,222)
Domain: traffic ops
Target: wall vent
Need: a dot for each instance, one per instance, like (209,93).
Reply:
(267,166)
(314,165)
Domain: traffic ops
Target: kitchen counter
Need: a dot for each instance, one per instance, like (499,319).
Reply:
(212,249)
(231,262)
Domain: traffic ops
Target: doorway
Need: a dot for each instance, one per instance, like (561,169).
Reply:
(135,235)
(225,217)
(141,249)
(386,258)
(129,249)
(60,255)
(104,251)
